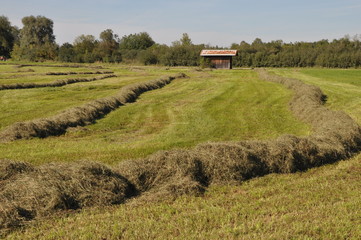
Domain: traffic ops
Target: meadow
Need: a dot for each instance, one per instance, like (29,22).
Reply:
(215,105)
(320,203)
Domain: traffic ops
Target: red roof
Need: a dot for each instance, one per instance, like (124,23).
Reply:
(218,53)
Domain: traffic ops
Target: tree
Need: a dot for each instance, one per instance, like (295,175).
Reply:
(37,40)
(66,53)
(138,41)
(108,47)
(183,53)
(185,40)
(132,45)
(37,30)
(84,46)
(7,37)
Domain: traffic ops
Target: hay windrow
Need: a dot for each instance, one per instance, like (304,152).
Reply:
(82,115)
(53,65)
(54,187)
(59,186)
(335,136)
(78,73)
(56,83)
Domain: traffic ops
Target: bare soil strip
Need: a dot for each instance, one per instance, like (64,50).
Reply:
(28,192)
(56,83)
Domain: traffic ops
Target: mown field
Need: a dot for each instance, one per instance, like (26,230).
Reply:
(207,106)
(322,203)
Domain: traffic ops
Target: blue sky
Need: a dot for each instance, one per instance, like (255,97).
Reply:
(215,22)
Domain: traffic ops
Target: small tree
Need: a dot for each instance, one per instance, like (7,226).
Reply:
(206,63)
(108,47)
(66,53)
(84,46)
(8,36)
(138,41)
(132,45)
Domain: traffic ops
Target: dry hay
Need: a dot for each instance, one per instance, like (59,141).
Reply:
(55,65)
(60,186)
(78,73)
(56,83)
(9,169)
(82,115)
(335,136)
(165,174)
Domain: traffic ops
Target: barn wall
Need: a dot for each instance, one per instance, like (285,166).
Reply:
(224,62)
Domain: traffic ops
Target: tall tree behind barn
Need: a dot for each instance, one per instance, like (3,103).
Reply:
(221,59)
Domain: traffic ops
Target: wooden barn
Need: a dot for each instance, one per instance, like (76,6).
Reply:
(221,59)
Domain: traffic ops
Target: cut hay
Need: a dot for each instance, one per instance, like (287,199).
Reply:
(82,115)
(60,186)
(78,73)
(56,83)
(335,136)
(53,187)
(52,66)
(9,169)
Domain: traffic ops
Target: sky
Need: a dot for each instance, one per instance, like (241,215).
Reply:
(214,22)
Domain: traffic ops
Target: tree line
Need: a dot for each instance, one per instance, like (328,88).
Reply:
(36,42)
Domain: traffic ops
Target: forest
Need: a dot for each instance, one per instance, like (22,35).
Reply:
(35,41)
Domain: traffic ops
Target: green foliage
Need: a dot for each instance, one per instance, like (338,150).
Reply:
(206,63)
(108,48)
(132,48)
(138,41)
(84,46)
(183,53)
(7,36)
(37,40)
(37,31)
(66,53)
(342,53)
(153,55)
(185,40)
(148,58)
(87,49)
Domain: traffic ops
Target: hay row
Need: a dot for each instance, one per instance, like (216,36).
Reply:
(29,192)
(82,115)
(78,73)
(335,136)
(55,65)
(56,83)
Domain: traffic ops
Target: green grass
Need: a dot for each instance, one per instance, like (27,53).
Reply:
(207,106)
(342,86)
(28,104)
(11,74)
(322,203)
